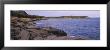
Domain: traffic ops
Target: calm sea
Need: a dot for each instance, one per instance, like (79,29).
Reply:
(85,27)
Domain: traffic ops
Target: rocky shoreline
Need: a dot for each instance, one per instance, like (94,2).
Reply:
(25,29)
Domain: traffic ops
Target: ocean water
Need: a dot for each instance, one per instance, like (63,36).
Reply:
(84,27)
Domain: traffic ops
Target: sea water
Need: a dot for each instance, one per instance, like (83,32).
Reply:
(85,27)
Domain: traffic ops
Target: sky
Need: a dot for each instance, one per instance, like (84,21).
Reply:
(57,13)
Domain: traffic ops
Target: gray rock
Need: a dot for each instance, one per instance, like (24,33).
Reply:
(24,35)
(38,38)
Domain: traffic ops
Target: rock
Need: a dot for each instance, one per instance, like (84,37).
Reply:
(25,20)
(38,38)
(38,33)
(31,27)
(15,33)
(55,31)
(24,35)
(51,37)
(14,20)
(34,19)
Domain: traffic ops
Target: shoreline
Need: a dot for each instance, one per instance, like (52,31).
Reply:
(25,29)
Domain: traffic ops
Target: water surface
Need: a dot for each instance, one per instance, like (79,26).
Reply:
(85,27)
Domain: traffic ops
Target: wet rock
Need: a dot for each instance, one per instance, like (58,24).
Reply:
(55,31)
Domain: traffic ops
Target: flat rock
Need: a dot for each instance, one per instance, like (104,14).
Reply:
(24,35)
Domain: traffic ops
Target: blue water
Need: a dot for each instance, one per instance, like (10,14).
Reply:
(85,27)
